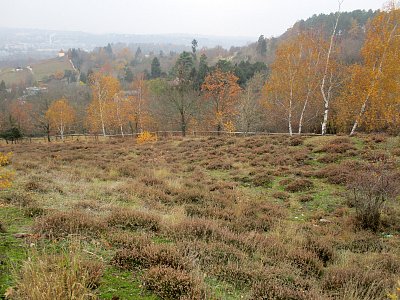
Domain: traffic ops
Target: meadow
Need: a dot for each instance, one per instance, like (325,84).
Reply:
(262,217)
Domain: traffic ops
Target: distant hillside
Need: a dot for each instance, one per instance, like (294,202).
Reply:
(36,72)
(351,29)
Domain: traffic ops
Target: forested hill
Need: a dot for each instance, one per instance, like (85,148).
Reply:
(351,28)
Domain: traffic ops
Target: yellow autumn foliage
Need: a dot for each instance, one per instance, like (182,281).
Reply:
(146,137)
(6,176)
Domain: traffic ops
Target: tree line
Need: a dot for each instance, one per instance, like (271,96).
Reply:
(308,87)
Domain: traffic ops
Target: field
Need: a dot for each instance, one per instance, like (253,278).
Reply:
(40,70)
(267,217)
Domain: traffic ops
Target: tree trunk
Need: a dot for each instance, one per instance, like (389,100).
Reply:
(48,133)
(326,95)
(183,124)
(219,128)
(290,123)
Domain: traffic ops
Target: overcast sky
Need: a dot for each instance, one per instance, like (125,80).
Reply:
(211,17)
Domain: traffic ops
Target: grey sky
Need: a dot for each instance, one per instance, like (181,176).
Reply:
(212,17)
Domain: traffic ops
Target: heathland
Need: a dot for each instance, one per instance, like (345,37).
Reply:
(262,217)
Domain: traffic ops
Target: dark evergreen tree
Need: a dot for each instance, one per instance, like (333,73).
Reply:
(155,71)
(262,46)
(194,46)
(2,86)
(202,72)
(109,50)
(225,65)
(128,77)
(184,67)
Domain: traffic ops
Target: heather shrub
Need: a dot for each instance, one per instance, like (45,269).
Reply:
(35,184)
(283,285)
(371,188)
(298,185)
(33,209)
(195,228)
(295,141)
(59,224)
(339,173)
(305,198)
(355,283)
(128,240)
(308,262)
(338,145)
(322,248)
(150,255)
(190,196)
(2,228)
(134,219)
(262,179)
(329,158)
(281,195)
(365,242)
(18,198)
(169,283)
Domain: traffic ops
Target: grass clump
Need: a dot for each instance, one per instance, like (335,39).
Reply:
(59,276)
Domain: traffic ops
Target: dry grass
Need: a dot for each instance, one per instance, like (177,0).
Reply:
(65,275)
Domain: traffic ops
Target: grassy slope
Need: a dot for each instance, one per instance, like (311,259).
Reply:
(41,69)
(214,179)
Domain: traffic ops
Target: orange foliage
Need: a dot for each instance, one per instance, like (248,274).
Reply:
(222,89)
(99,113)
(371,96)
(60,115)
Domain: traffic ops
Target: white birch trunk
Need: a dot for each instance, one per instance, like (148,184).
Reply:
(326,95)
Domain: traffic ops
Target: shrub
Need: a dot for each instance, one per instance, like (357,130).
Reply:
(355,283)
(146,137)
(6,177)
(366,242)
(307,261)
(306,198)
(283,285)
(322,248)
(149,256)
(33,210)
(60,224)
(338,145)
(295,141)
(134,219)
(2,227)
(35,185)
(339,173)
(128,240)
(17,198)
(195,228)
(190,196)
(281,195)
(298,185)
(329,158)
(371,188)
(169,283)
(261,179)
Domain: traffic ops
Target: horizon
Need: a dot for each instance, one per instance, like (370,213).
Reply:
(266,18)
